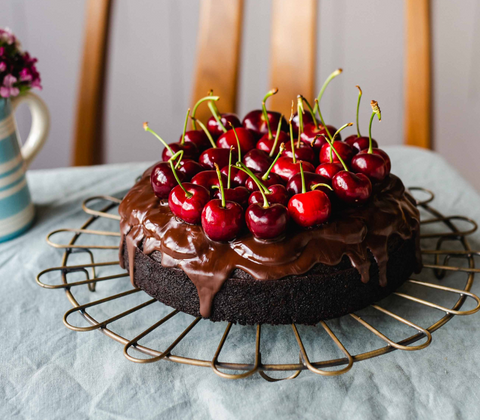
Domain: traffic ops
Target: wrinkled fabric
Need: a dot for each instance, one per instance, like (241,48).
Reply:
(50,372)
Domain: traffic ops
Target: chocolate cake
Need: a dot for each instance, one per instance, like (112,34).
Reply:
(360,256)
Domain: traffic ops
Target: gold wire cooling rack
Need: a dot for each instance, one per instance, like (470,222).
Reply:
(415,298)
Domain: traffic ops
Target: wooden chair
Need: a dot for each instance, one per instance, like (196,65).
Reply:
(292,53)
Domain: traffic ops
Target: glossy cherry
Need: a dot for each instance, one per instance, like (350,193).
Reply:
(226,119)
(162,179)
(239,195)
(352,188)
(257,160)
(260,120)
(189,168)
(198,138)
(307,119)
(208,179)
(267,222)
(247,140)
(222,220)
(295,183)
(277,193)
(189,149)
(187,201)
(385,156)
(237,177)
(303,152)
(345,150)
(328,170)
(211,156)
(269,145)
(272,179)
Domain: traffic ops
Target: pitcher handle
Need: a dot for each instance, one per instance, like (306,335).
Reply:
(40,125)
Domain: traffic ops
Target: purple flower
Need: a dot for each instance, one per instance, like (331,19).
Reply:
(3,66)
(25,75)
(8,90)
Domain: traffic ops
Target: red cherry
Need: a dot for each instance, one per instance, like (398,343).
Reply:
(313,135)
(189,168)
(286,168)
(208,179)
(239,195)
(216,155)
(266,144)
(294,184)
(237,177)
(255,122)
(371,165)
(383,154)
(271,180)
(345,150)
(226,118)
(310,208)
(162,179)
(198,138)
(302,152)
(257,160)
(228,139)
(222,223)
(278,194)
(266,222)
(352,188)
(307,119)
(328,170)
(190,151)
(188,207)
(360,143)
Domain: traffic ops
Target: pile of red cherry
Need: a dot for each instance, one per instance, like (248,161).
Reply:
(231,173)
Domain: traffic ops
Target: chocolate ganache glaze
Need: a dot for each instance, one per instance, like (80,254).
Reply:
(147,223)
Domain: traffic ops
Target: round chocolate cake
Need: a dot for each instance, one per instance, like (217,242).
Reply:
(360,256)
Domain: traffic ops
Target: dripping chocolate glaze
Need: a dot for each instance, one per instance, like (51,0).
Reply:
(148,223)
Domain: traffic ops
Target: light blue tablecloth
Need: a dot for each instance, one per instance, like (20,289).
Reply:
(50,372)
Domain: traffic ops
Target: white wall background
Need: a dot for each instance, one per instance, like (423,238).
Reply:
(152,57)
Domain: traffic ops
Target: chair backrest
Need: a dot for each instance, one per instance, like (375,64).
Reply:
(292,53)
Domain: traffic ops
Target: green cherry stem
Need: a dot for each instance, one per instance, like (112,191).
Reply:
(147,128)
(310,109)
(294,158)
(194,111)
(322,90)
(264,110)
(358,108)
(321,119)
(222,191)
(182,142)
(262,188)
(378,113)
(214,111)
(229,166)
(277,135)
(239,151)
(302,175)
(207,133)
(321,185)
(178,155)
(300,112)
(267,174)
(188,194)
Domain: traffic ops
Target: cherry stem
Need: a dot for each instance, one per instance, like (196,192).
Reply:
(321,119)
(322,90)
(262,188)
(188,194)
(310,109)
(302,175)
(358,108)
(264,110)
(218,118)
(182,142)
(147,128)
(338,154)
(300,112)
(222,191)
(277,135)
(194,111)
(179,154)
(229,166)
(321,185)
(207,133)
(294,158)
(267,174)
(335,135)
(238,143)
(378,113)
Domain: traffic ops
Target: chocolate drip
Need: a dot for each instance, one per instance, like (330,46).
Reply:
(147,223)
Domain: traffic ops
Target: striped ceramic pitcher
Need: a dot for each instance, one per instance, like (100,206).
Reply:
(16,208)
